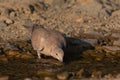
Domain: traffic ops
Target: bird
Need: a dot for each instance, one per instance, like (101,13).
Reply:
(48,42)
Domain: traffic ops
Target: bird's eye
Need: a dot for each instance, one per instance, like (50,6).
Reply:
(56,54)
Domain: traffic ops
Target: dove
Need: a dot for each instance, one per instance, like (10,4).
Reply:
(48,42)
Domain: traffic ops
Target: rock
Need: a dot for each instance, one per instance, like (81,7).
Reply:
(84,1)
(108,77)
(27,79)
(35,78)
(18,55)
(9,21)
(4,78)
(97,74)
(12,14)
(93,34)
(116,13)
(93,42)
(9,46)
(44,73)
(2,25)
(50,2)
(88,7)
(63,76)
(79,20)
(117,43)
(70,1)
(112,48)
(3,59)
(97,56)
(116,35)
(83,42)
(48,42)
(48,78)
(55,3)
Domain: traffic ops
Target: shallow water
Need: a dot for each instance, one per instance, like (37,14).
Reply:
(78,62)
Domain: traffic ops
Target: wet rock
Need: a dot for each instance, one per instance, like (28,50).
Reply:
(44,73)
(98,56)
(35,78)
(18,55)
(3,59)
(48,78)
(86,73)
(63,76)
(27,79)
(4,78)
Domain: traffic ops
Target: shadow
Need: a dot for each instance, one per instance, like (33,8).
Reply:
(75,48)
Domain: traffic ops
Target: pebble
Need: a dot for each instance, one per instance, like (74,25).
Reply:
(9,21)
(12,14)
(79,20)
(2,25)
(63,76)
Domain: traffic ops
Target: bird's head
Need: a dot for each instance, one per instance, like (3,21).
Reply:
(58,54)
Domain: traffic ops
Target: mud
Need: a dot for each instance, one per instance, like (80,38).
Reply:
(80,62)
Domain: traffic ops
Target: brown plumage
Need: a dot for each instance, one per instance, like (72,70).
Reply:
(48,42)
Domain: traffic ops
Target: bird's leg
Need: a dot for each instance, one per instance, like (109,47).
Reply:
(39,54)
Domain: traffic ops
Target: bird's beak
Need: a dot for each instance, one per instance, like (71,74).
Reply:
(60,59)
